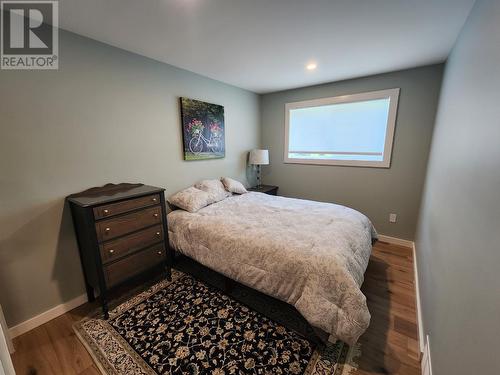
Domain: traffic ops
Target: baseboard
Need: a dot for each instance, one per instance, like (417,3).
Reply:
(421,342)
(46,316)
(426,359)
(395,241)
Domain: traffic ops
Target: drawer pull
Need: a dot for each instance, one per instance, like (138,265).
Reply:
(155,215)
(154,199)
(107,229)
(159,252)
(106,212)
(158,233)
(111,251)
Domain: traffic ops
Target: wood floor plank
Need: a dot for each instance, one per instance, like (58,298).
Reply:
(35,353)
(405,327)
(90,371)
(389,346)
(73,358)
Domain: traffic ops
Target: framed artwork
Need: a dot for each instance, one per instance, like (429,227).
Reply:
(202,130)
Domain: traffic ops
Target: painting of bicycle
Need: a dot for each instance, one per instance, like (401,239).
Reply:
(202,130)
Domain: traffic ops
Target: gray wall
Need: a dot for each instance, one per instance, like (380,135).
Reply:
(458,240)
(374,191)
(106,116)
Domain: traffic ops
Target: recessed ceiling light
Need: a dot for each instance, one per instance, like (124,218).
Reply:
(311,66)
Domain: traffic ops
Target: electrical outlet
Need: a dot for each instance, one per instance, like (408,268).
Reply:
(392,218)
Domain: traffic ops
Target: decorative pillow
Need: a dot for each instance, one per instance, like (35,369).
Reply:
(233,186)
(214,188)
(191,199)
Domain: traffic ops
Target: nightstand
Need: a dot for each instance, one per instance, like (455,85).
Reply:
(266,189)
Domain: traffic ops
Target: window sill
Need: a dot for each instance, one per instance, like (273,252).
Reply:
(342,163)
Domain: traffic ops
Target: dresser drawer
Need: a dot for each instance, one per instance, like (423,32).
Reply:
(122,246)
(112,209)
(133,265)
(118,226)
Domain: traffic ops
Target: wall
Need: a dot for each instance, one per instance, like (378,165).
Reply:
(458,241)
(374,191)
(105,116)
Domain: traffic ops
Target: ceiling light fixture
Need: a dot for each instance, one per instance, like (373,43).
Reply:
(311,66)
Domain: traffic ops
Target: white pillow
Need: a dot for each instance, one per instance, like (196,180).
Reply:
(214,188)
(233,186)
(191,199)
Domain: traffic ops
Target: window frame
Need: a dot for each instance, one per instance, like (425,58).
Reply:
(392,94)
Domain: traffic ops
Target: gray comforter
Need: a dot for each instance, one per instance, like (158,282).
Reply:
(312,255)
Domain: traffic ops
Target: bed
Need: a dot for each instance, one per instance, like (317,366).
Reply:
(309,254)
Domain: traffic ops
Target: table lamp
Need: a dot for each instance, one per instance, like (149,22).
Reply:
(258,157)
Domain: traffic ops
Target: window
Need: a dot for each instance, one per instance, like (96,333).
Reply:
(352,130)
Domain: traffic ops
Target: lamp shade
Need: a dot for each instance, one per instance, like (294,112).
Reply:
(259,157)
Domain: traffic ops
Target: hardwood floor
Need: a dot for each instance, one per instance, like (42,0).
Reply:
(390,345)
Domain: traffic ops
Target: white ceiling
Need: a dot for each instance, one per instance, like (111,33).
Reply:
(264,45)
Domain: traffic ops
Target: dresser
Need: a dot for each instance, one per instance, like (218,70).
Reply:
(121,231)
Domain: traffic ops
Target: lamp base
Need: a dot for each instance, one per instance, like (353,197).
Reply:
(259,184)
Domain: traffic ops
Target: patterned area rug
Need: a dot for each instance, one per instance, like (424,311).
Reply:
(187,327)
